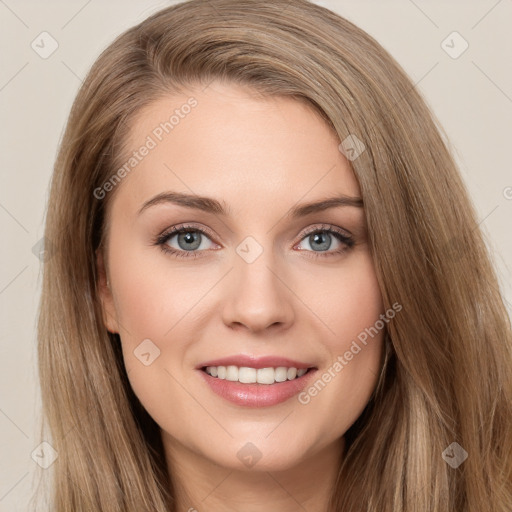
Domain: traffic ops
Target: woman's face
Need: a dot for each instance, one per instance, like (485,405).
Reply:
(271,281)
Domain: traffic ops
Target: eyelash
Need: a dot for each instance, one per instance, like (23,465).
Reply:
(162,240)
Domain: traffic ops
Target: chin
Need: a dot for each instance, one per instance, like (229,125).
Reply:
(257,455)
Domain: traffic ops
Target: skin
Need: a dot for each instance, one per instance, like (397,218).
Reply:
(260,156)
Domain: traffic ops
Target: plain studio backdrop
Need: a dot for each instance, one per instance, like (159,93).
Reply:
(457,53)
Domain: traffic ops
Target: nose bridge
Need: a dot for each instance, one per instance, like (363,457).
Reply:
(259,297)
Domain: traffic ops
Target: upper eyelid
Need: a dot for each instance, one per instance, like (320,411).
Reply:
(167,233)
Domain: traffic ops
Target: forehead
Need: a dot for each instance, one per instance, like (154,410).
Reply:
(231,143)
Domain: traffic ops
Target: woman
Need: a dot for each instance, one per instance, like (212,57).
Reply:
(196,352)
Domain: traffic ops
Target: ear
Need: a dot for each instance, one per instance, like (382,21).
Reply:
(105,295)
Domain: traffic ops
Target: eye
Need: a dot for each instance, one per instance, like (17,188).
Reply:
(188,240)
(320,239)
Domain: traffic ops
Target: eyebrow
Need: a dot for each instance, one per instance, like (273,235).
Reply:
(210,205)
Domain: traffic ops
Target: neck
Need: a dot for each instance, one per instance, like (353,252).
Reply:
(201,484)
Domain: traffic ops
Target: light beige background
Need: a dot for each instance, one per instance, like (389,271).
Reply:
(471,96)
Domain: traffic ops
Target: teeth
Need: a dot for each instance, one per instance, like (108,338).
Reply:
(291,373)
(248,375)
(232,373)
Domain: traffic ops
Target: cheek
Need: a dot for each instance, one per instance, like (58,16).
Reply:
(154,306)
(150,299)
(350,305)
(346,298)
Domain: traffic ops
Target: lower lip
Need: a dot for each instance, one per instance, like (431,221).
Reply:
(257,395)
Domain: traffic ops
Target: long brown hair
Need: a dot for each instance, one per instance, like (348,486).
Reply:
(448,370)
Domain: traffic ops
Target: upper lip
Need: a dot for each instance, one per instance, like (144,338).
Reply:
(255,362)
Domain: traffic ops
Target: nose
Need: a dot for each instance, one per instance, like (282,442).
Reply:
(258,296)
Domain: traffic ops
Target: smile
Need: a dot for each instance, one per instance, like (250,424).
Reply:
(256,387)
(248,375)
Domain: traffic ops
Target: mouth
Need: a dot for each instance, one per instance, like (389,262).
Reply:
(266,386)
(264,376)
